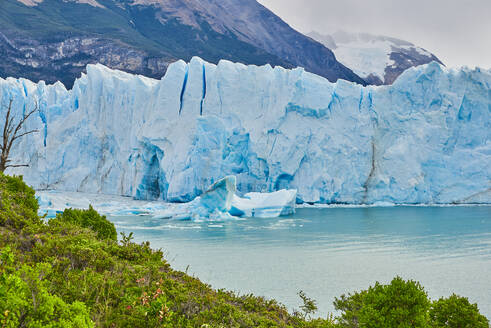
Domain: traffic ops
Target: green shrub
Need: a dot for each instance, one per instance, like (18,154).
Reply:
(18,204)
(398,304)
(456,312)
(87,219)
(308,306)
(26,302)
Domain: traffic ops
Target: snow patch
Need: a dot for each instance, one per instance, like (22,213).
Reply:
(366,54)
(33,3)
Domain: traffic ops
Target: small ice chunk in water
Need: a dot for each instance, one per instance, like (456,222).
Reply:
(265,205)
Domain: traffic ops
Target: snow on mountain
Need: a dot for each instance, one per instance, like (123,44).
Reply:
(377,59)
(30,3)
(33,3)
(424,139)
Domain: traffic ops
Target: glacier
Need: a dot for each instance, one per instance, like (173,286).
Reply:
(426,139)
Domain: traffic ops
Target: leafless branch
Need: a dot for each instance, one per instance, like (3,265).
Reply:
(7,122)
(18,165)
(12,132)
(24,134)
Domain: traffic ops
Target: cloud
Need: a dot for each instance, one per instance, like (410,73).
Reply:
(457,31)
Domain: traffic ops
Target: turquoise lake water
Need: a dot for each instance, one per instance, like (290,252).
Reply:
(331,251)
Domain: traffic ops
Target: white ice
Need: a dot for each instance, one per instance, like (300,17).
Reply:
(426,139)
(265,205)
(219,202)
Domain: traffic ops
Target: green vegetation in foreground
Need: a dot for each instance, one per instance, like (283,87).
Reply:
(72,272)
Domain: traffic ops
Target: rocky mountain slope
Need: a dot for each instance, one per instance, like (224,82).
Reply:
(55,39)
(377,59)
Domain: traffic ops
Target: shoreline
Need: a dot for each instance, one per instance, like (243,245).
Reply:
(54,201)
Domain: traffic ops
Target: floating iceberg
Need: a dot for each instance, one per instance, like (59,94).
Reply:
(426,139)
(219,202)
(213,204)
(264,205)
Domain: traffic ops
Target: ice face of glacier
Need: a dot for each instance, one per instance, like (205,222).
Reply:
(425,139)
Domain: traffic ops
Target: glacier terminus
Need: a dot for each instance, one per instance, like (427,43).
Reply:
(426,139)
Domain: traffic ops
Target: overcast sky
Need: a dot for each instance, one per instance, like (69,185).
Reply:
(456,31)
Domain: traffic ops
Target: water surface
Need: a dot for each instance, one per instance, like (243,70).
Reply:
(328,252)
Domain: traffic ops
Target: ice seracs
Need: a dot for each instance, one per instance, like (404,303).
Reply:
(426,139)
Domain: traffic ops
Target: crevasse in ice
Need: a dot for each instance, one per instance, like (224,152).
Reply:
(425,139)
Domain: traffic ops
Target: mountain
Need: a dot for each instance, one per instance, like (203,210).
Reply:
(377,59)
(55,39)
(423,139)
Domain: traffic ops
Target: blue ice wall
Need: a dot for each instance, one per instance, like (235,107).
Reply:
(425,139)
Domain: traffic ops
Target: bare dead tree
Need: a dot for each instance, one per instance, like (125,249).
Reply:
(11,132)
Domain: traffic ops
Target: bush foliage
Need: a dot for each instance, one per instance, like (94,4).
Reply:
(87,219)
(405,304)
(72,272)
(398,304)
(18,205)
(25,300)
(456,312)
